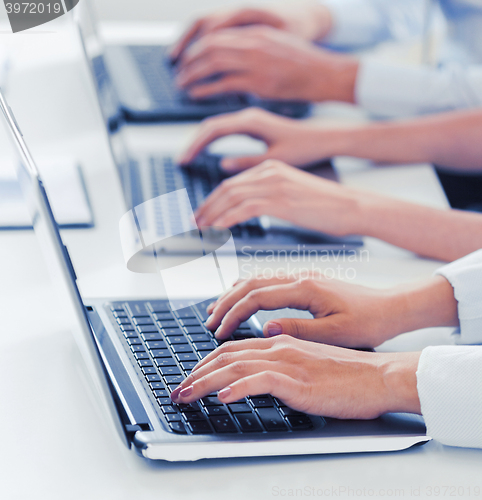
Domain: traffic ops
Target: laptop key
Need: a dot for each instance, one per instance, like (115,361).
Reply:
(190,322)
(156,344)
(187,356)
(160,306)
(223,424)
(134,341)
(211,401)
(161,393)
(192,416)
(188,365)
(300,422)
(288,412)
(168,324)
(248,422)
(174,379)
(166,400)
(161,353)
(204,346)
(177,340)
(149,370)
(168,409)
(272,420)
(199,427)
(194,329)
(188,408)
(243,334)
(144,320)
(199,337)
(186,313)
(137,308)
(240,407)
(165,316)
(149,329)
(172,417)
(163,362)
(178,427)
(141,356)
(138,348)
(261,402)
(171,332)
(123,320)
(181,348)
(203,354)
(214,411)
(169,370)
(155,381)
(128,329)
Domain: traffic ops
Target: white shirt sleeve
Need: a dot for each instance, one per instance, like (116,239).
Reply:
(449,378)
(449,383)
(386,89)
(465,276)
(361,23)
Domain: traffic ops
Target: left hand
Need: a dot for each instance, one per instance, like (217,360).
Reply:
(312,378)
(268,63)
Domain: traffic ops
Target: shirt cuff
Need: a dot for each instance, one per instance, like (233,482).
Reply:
(465,276)
(449,383)
(355,24)
(389,90)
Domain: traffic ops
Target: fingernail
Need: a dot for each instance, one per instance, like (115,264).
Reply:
(175,393)
(274,329)
(186,392)
(224,393)
(210,307)
(209,320)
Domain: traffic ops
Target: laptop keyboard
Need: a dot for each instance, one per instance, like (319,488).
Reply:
(199,179)
(165,346)
(158,73)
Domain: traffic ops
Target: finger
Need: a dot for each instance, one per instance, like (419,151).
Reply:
(219,126)
(244,211)
(234,295)
(212,64)
(268,299)
(244,162)
(235,346)
(186,39)
(227,196)
(226,359)
(229,83)
(219,378)
(279,385)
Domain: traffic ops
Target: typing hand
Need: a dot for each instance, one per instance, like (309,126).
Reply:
(312,23)
(313,378)
(343,314)
(279,190)
(292,141)
(266,62)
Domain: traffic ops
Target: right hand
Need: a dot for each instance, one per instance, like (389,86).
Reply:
(310,22)
(292,141)
(276,189)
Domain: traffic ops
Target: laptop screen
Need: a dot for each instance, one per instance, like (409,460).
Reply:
(69,302)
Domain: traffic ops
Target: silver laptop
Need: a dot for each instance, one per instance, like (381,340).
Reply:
(137,351)
(146,176)
(144,77)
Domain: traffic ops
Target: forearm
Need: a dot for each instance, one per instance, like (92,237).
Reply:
(438,234)
(449,139)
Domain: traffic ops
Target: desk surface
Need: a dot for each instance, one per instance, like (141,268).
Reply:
(56,442)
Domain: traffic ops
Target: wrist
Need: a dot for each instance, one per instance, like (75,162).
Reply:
(398,372)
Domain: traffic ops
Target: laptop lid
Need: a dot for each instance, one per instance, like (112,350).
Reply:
(60,266)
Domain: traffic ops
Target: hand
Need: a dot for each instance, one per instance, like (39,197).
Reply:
(313,378)
(279,190)
(292,141)
(343,314)
(268,63)
(312,22)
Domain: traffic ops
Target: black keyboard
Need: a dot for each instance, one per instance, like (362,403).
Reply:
(164,346)
(158,72)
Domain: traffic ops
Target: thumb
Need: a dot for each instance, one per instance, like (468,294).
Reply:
(317,330)
(242,163)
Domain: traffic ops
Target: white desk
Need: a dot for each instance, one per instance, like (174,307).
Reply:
(56,444)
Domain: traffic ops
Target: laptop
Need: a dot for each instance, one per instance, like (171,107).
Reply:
(145,175)
(137,351)
(144,78)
